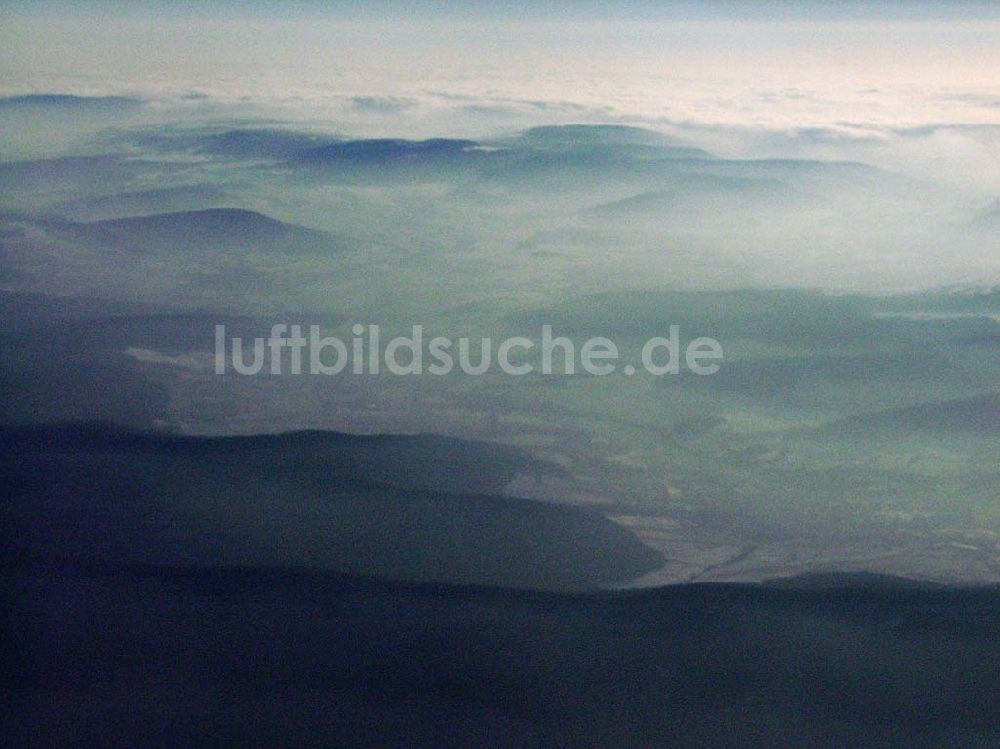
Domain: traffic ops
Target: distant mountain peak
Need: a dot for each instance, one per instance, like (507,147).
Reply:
(388,150)
(206,219)
(188,230)
(592,134)
(68,101)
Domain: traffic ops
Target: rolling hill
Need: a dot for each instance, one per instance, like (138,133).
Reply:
(402,508)
(202,230)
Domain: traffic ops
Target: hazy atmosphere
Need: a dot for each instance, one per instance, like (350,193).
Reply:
(806,193)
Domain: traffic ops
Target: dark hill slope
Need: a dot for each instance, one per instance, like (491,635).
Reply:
(397,507)
(134,656)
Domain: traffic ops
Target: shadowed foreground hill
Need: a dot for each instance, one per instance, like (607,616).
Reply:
(410,508)
(138,656)
(183,591)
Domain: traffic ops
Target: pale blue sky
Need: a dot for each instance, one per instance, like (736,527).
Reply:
(767,64)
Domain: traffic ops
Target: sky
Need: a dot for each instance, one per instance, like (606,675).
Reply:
(769,64)
(814,80)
